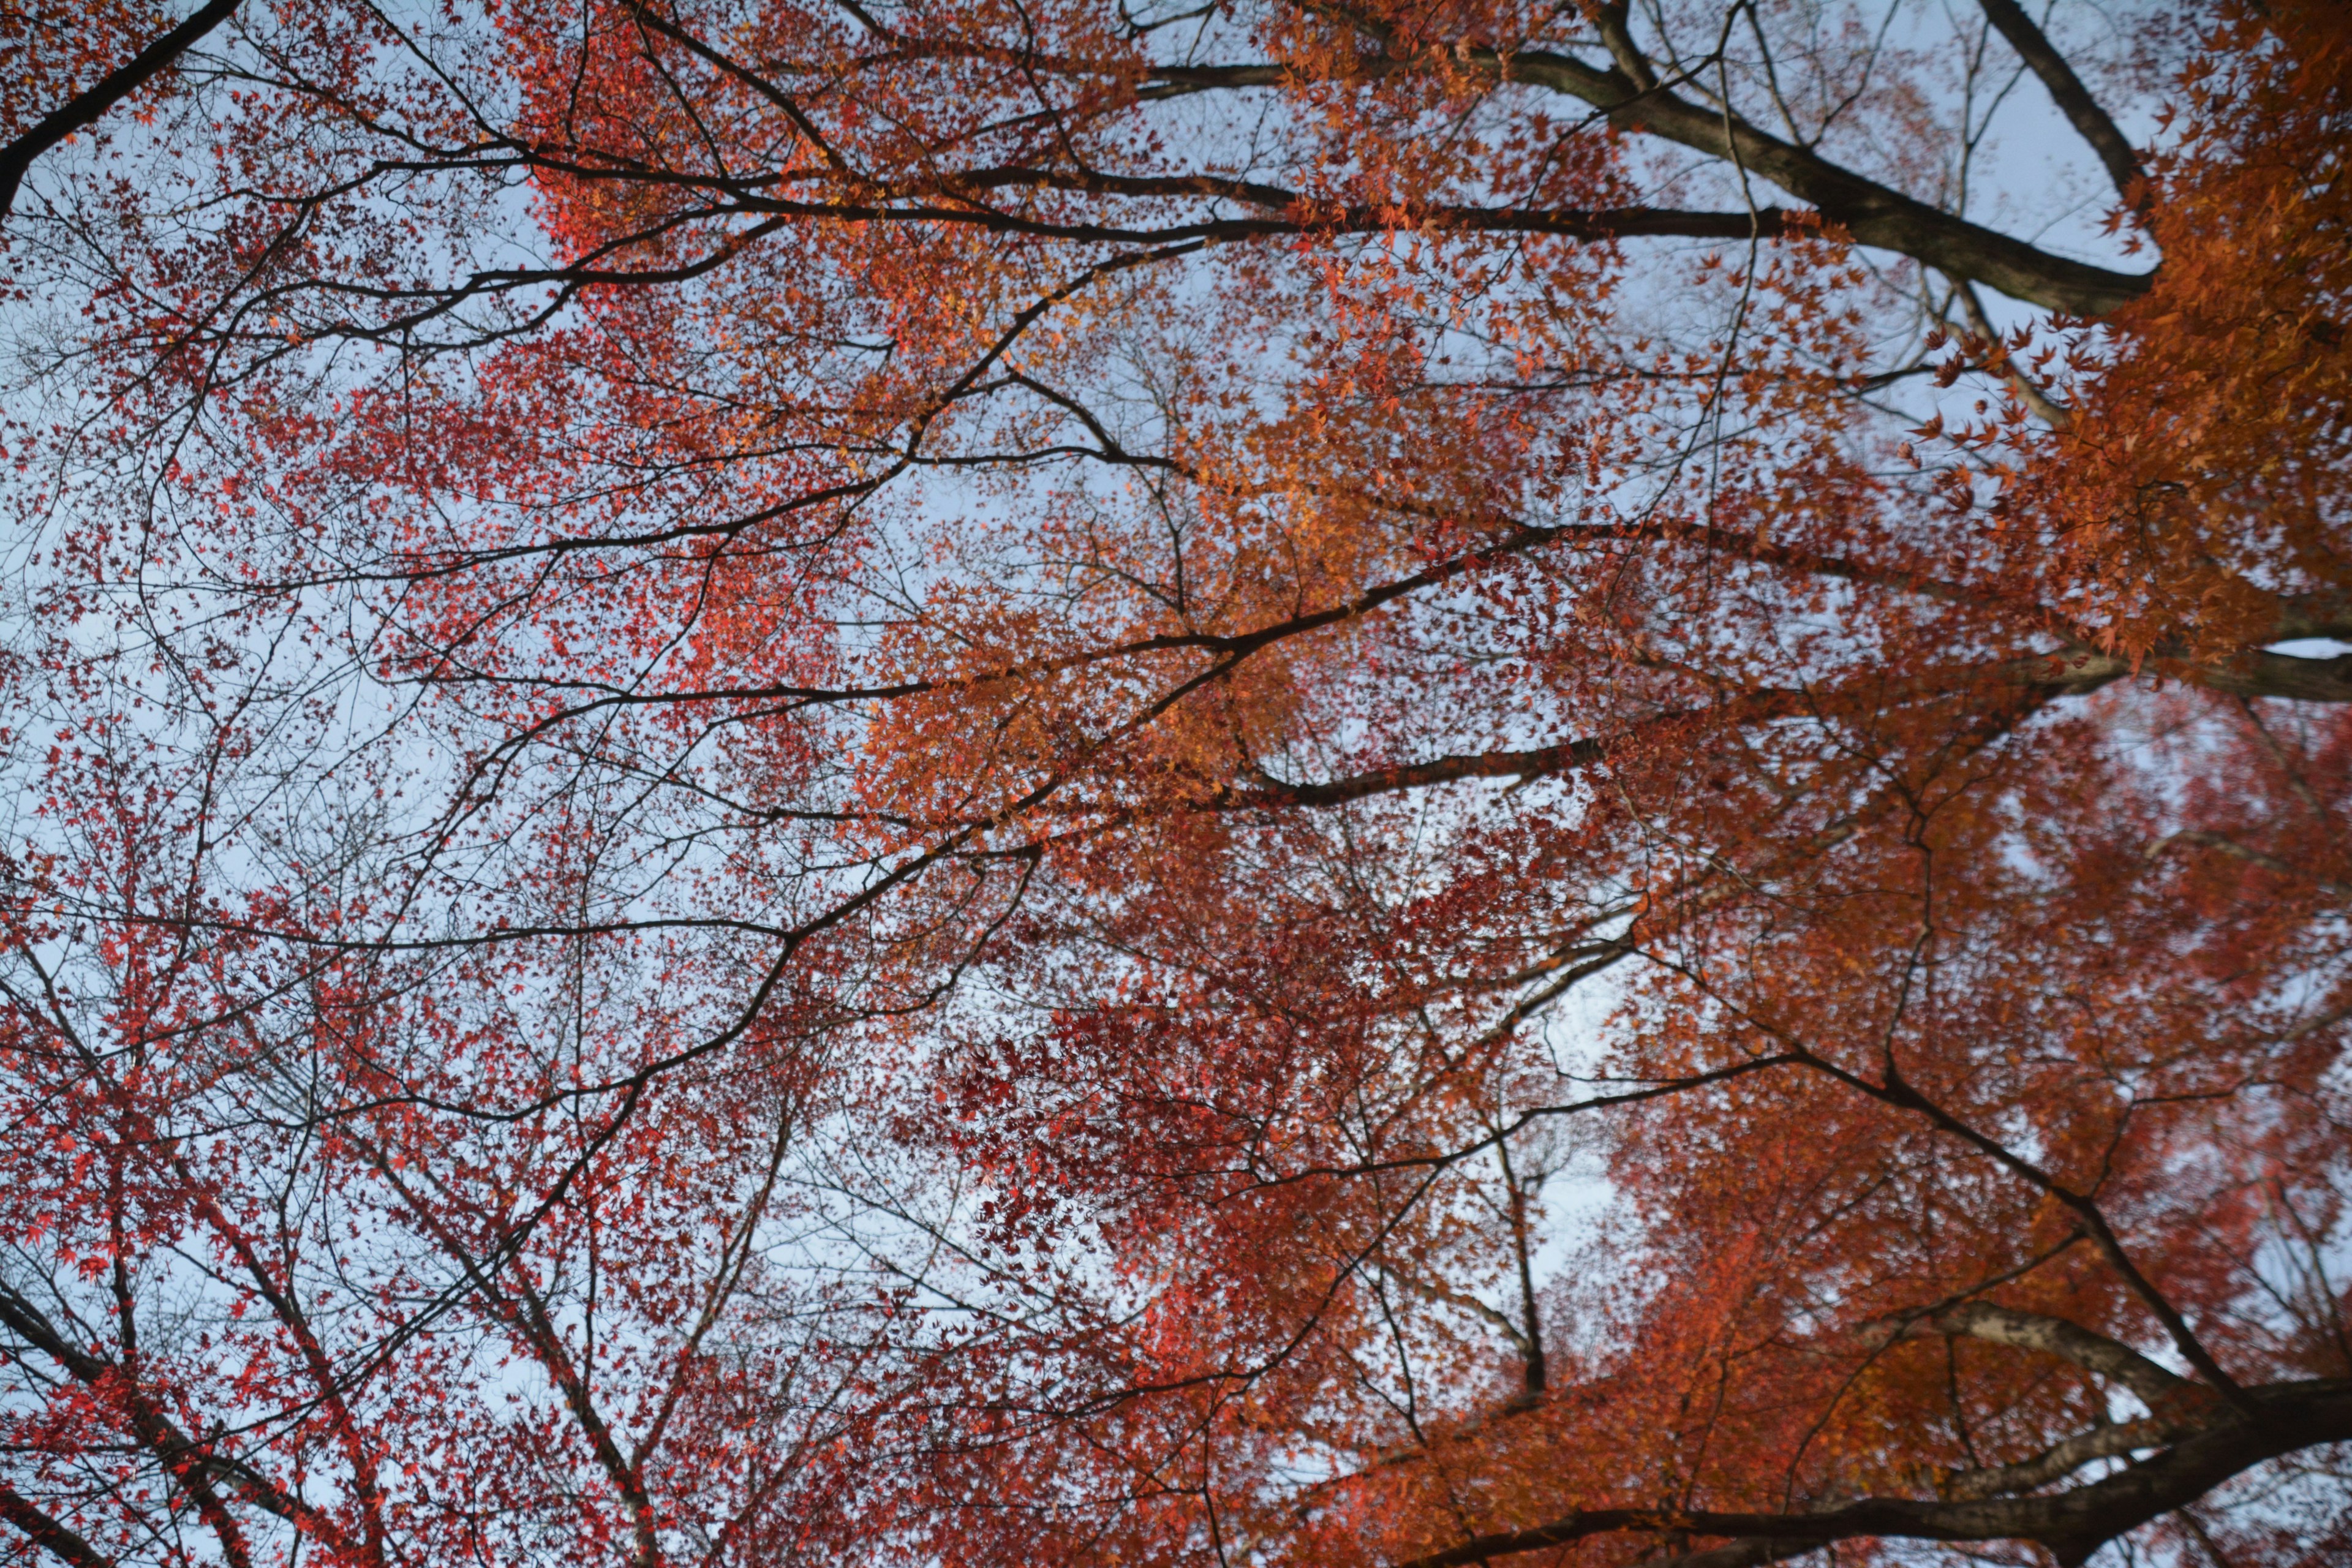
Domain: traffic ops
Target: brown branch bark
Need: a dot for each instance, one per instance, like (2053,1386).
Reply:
(2070,1524)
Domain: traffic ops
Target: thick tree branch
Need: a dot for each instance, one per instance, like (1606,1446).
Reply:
(2067,672)
(2063,1459)
(2279,675)
(191,1463)
(2072,1524)
(1873,213)
(1898,1092)
(47,1532)
(2054,1336)
(1870,213)
(2066,89)
(2319,614)
(85,107)
(1305,214)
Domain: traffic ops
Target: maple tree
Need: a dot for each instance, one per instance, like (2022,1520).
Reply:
(1413,784)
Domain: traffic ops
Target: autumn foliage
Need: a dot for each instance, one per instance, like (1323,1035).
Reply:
(1048,781)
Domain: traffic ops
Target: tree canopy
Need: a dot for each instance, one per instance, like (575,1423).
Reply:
(1109,782)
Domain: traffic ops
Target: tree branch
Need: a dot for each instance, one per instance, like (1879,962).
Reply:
(2072,1524)
(2069,1342)
(2221,843)
(2063,1459)
(85,107)
(47,1532)
(2074,100)
(1870,213)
